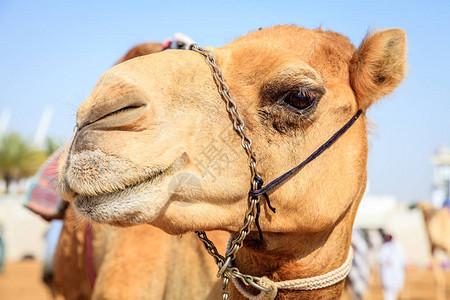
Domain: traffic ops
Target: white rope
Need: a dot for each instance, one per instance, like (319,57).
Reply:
(303,284)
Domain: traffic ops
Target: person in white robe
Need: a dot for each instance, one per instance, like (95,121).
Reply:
(391,259)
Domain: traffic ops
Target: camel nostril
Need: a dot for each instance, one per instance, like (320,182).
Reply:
(126,113)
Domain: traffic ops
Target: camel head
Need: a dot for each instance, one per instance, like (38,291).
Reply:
(154,142)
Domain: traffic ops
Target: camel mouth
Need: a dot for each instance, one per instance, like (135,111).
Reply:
(121,207)
(116,191)
(154,176)
(94,173)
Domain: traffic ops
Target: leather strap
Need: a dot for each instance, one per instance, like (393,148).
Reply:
(264,189)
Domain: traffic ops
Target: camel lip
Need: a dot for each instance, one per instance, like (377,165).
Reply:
(92,173)
(157,176)
(125,206)
(93,207)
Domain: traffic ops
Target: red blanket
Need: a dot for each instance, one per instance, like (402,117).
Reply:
(42,196)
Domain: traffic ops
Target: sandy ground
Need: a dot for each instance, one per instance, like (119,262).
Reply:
(22,281)
(420,284)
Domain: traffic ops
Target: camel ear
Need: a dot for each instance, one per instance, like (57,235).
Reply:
(378,66)
(140,50)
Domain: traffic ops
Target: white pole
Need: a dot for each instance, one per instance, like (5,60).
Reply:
(44,124)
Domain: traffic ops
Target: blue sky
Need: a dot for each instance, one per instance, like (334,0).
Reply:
(53,52)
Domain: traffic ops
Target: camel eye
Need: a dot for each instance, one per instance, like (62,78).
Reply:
(300,100)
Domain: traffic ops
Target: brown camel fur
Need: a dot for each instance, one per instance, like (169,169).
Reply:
(149,120)
(437,222)
(140,262)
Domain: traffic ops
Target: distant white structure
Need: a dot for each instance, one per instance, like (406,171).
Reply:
(23,230)
(441,183)
(384,212)
(374,211)
(409,229)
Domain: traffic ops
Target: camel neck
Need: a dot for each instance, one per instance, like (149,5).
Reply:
(282,257)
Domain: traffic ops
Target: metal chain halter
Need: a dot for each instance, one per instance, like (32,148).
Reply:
(227,271)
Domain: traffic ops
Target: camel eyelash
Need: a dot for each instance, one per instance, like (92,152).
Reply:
(281,119)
